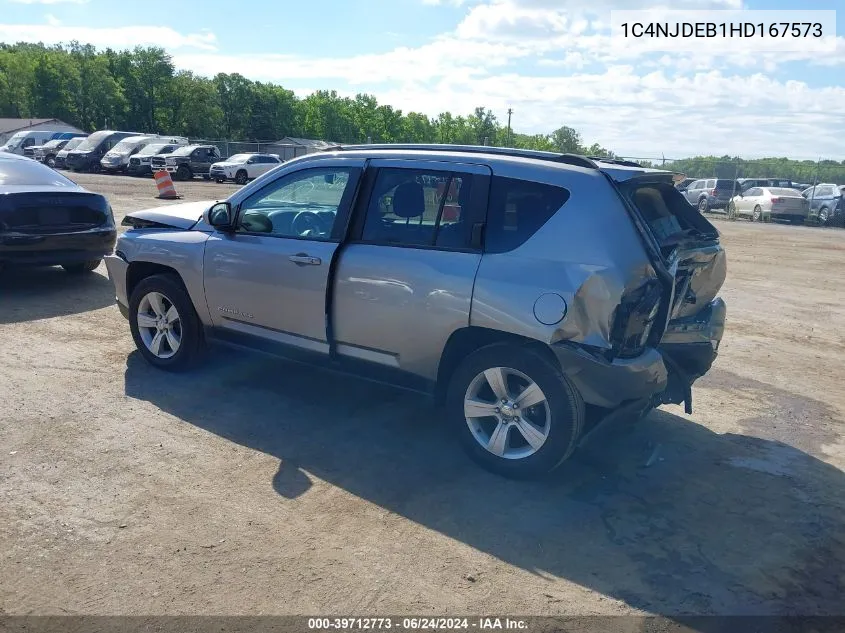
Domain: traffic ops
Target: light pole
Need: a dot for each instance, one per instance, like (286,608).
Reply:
(510,112)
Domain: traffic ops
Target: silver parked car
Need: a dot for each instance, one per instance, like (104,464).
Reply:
(534,294)
(764,203)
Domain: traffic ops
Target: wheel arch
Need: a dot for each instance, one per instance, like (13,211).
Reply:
(465,341)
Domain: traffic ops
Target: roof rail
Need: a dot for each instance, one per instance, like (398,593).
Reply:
(568,159)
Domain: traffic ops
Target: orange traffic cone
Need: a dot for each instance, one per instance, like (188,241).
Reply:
(164,183)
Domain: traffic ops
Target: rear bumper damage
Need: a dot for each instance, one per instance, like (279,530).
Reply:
(664,375)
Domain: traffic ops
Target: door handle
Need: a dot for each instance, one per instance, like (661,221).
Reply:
(303,259)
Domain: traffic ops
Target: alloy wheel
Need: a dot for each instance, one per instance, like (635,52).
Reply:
(507,413)
(159,325)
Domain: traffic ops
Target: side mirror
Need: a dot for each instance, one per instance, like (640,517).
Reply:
(220,216)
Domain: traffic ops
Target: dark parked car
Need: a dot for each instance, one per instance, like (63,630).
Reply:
(710,193)
(826,204)
(48,220)
(87,156)
(188,161)
(60,160)
(47,153)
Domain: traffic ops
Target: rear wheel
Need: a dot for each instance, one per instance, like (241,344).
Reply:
(164,324)
(516,414)
(731,211)
(757,214)
(241,177)
(84,267)
(703,205)
(824,216)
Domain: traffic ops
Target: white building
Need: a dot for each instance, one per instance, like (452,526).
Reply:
(8,127)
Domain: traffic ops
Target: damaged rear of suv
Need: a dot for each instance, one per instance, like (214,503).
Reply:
(534,294)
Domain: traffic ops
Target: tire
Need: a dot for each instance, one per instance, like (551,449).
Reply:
(206,177)
(241,177)
(84,267)
(183,172)
(219,181)
(703,205)
(51,162)
(731,211)
(561,412)
(186,329)
(823,217)
(757,214)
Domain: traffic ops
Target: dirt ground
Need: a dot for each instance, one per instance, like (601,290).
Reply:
(253,486)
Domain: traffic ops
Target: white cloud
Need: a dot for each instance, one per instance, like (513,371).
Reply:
(52,20)
(102,37)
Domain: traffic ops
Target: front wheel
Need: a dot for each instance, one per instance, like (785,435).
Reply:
(824,216)
(516,414)
(51,161)
(183,172)
(164,324)
(241,177)
(84,267)
(703,206)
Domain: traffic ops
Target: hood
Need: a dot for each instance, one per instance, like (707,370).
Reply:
(179,216)
(225,163)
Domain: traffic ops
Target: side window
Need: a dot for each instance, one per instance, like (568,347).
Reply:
(302,204)
(698,184)
(517,210)
(419,208)
(711,184)
(825,191)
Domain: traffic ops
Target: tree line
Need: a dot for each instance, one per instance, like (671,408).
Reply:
(141,90)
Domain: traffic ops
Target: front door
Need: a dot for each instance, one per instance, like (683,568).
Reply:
(268,278)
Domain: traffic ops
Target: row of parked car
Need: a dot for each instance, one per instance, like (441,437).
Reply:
(764,199)
(137,154)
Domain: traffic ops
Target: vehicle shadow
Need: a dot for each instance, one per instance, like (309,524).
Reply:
(29,294)
(711,524)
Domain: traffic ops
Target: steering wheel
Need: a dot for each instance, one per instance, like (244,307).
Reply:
(256,223)
(307,222)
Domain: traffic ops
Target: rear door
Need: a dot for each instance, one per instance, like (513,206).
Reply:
(404,281)
(269,277)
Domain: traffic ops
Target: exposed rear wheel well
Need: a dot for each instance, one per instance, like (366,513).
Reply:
(141,270)
(466,340)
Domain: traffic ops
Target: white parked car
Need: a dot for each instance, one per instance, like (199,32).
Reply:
(765,203)
(117,158)
(244,167)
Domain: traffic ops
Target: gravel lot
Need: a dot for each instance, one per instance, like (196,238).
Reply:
(256,486)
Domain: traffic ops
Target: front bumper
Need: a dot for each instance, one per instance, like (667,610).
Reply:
(117,267)
(219,175)
(21,249)
(144,169)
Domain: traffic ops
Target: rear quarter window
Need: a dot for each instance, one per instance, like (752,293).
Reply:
(517,210)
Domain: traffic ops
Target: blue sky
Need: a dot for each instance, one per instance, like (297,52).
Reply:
(549,60)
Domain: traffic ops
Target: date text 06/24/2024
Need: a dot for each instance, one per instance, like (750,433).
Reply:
(417,624)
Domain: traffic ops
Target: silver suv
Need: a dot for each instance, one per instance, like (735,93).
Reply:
(534,294)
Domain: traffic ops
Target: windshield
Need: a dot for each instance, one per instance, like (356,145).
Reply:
(127,145)
(15,140)
(92,141)
(239,158)
(31,173)
(74,143)
(184,151)
(151,150)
